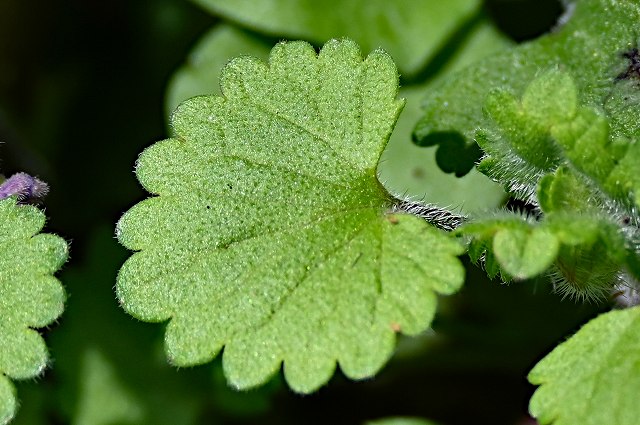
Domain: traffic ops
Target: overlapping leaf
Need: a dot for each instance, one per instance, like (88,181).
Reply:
(594,377)
(559,158)
(548,129)
(522,249)
(549,143)
(521,150)
(31,296)
(586,251)
(411,31)
(271,235)
(590,47)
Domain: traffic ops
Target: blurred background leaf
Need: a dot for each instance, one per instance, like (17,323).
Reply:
(585,45)
(411,31)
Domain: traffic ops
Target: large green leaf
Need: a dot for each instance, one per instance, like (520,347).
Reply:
(412,31)
(271,235)
(594,377)
(31,297)
(589,47)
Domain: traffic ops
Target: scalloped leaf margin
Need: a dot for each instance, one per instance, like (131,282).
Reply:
(271,235)
(31,296)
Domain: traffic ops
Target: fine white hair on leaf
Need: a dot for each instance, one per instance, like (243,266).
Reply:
(593,289)
(569,8)
(440,217)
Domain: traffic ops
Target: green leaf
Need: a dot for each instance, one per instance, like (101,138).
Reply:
(611,163)
(519,148)
(525,125)
(492,267)
(624,179)
(271,235)
(560,157)
(585,139)
(32,297)
(512,246)
(594,377)
(567,190)
(551,98)
(588,47)
(525,254)
(584,253)
(549,151)
(411,31)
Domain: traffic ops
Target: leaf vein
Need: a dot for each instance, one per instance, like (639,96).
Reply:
(321,138)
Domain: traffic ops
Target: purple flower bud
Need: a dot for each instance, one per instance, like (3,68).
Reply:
(27,189)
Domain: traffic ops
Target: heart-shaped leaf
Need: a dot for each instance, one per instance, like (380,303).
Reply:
(271,235)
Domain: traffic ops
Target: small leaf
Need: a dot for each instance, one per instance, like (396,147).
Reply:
(271,235)
(555,153)
(482,232)
(519,149)
(492,267)
(567,190)
(476,249)
(32,297)
(551,98)
(525,254)
(524,127)
(624,179)
(588,47)
(584,252)
(594,377)
(591,257)
(585,142)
